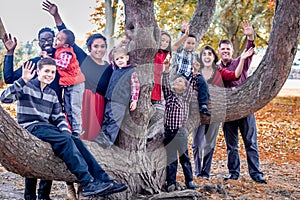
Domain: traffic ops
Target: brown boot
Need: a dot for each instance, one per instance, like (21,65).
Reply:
(71,192)
(79,193)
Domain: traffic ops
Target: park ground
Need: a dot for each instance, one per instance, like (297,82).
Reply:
(279,146)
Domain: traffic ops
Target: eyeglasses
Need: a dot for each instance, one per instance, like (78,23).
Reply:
(44,40)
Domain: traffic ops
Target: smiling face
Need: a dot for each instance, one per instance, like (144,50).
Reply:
(46,42)
(46,74)
(98,49)
(207,58)
(225,51)
(165,41)
(60,40)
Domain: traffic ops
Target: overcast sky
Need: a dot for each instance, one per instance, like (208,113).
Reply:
(24,18)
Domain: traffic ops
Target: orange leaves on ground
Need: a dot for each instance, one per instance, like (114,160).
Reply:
(279,130)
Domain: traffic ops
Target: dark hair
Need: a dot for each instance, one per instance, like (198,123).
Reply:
(225,42)
(207,47)
(70,37)
(45,61)
(193,36)
(46,29)
(168,49)
(91,39)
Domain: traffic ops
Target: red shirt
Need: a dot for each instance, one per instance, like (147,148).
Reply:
(159,58)
(220,75)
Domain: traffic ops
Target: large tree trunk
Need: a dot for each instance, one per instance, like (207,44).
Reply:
(132,160)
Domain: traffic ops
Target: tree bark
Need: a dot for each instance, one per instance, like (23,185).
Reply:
(132,160)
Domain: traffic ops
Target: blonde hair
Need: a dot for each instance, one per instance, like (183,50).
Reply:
(119,50)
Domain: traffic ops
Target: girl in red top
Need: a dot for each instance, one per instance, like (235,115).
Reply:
(156,95)
(160,56)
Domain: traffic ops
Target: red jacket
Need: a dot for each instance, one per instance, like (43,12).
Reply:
(71,75)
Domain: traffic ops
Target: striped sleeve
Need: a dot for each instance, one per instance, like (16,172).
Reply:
(13,92)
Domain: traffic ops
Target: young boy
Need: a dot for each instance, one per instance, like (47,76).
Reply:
(123,90)
(183,61)
(39,111)
(177,96)
(71,78)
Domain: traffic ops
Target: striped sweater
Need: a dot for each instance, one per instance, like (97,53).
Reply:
(34,106)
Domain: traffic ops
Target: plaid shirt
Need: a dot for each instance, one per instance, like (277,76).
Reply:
(135,87)
(184,62)
(177,105)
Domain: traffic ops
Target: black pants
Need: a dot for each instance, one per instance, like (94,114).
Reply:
(176,141)
(247,127)
(43,191)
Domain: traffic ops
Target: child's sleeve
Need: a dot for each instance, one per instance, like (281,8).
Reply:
(192,85)
(13,92)
(63,60)
(135,87)
(58,118)
(166,84)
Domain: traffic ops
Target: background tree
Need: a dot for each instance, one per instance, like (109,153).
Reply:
(137,163)
(225,22)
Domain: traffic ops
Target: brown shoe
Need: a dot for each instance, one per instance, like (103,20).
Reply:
(71,192)
(79,193)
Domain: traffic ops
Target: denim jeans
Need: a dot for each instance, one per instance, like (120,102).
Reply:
(73,152)
(203,92)
(176,141)
(204,142)
(247,127)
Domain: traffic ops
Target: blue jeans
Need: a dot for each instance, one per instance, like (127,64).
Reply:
(73,105)
(247,127)
(73,152)
(204,142)
(176,141)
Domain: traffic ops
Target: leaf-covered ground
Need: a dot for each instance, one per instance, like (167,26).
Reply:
(279,147)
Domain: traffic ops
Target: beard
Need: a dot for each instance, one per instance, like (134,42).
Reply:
(50,51)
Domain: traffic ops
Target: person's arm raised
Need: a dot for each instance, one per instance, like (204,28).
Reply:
(9,42)
(182,39)
(245,54)
(52,9)
(248,30)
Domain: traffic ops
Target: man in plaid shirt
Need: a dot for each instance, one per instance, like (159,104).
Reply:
(177,96)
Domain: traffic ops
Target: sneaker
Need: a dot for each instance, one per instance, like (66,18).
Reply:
(95,187)
(103,141)
(204,110)
(190,185)
(173,187)
(115,188)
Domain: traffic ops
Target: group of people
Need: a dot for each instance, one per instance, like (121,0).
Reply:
(192,72)
(65,95)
